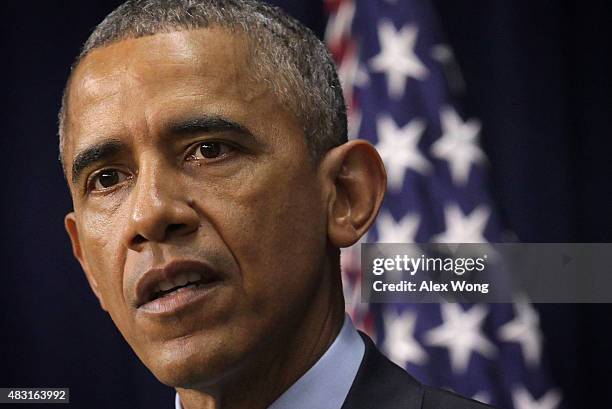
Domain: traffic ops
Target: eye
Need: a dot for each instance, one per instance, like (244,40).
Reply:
(210,150)
(107,178)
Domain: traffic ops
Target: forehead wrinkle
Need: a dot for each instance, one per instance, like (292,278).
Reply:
(86,106)
(172,54)
(92,88)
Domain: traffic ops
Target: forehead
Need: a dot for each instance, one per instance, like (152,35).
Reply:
(183,56)
(160,74)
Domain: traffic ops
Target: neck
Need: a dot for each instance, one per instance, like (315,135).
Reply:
(286,359)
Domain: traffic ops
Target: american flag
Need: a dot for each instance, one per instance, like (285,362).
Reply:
(403,88)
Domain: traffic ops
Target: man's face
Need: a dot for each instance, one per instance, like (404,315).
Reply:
(189,174)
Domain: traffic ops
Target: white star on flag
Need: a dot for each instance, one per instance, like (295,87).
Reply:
(400,343)
(399,149)
(458,144)
(524,329)
(404,231)
(522,399)
(397,58)
(462,228)
(390,231)
(461,333)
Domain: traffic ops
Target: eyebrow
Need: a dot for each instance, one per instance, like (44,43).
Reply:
(93,154)
(206,124)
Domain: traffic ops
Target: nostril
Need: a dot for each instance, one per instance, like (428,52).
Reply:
(139,239)
(160,234)
(173,228)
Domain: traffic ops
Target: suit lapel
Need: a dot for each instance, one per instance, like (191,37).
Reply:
(381,384)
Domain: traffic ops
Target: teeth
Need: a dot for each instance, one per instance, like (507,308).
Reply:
(179,281)
(165,285)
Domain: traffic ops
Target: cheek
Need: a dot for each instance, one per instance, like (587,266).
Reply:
(102,251)
(276,230)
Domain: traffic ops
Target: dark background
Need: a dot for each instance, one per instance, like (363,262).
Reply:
(537,75)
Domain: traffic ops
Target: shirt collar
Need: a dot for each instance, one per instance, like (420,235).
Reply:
(326,384)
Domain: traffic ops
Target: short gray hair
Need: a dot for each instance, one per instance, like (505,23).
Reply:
(290,58)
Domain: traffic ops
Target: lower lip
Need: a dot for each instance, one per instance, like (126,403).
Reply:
(178,300)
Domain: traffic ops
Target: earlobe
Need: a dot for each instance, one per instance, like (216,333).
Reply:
(357,180)
(72,230)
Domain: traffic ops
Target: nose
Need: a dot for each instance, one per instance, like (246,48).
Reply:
(161,208)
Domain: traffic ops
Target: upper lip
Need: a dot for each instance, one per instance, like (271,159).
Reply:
(147,283)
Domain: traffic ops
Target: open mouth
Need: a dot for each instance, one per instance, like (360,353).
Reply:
(176,282)
(182,282)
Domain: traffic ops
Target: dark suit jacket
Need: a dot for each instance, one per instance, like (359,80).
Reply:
(380,384)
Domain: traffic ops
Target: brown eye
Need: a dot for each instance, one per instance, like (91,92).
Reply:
(108,178)
(211,150)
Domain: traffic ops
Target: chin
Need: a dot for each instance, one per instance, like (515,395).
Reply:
(193,362)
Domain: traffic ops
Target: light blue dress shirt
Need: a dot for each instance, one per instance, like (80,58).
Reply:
(327,383)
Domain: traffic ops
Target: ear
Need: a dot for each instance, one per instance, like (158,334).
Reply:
(356,181)
(71,227)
